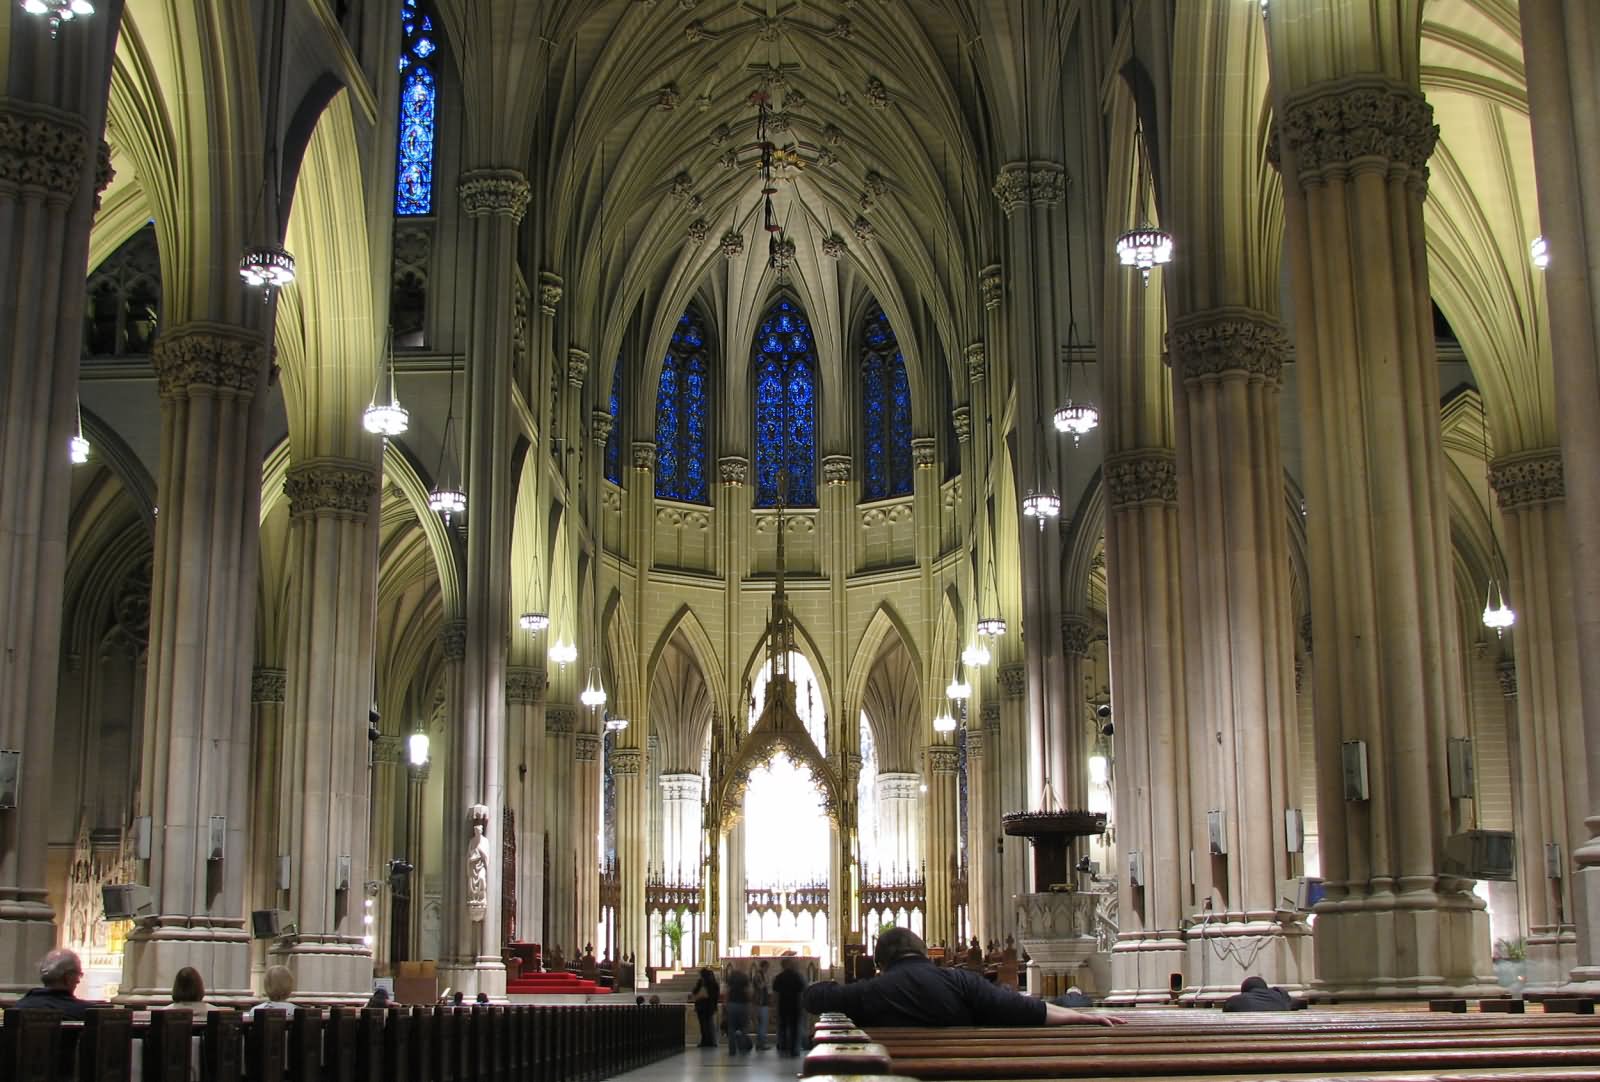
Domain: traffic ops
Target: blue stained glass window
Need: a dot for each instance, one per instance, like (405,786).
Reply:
(785,407)
(419,102)
(885,411)
(682,401)
(614,440)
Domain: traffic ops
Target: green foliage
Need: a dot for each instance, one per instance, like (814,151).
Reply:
(1510,950)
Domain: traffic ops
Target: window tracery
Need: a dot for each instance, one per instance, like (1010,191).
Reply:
(682,458)
(614,437)
(785,407)
(885,411)
(419,99)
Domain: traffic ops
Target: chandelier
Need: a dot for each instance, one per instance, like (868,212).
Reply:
(615,725)
(780,249)
(448,497)
(563,653)
(1539,253)
(56,12)
(944,723)
(533,622)
(1078,418)
(266,267)
(976,655)
(1496,613)
(1144,248)
(958,689)
(1041,505)
(991,626)
(388,417)
(594,692)
(77,446)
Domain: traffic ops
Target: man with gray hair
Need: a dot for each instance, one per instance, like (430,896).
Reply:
(59,974)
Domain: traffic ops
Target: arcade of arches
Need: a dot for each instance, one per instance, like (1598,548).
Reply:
(730,333)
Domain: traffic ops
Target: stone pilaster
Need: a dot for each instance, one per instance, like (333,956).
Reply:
(587,764)
(1552,791)
(561,922)
(1354,155)
(899,824)
(1239,660)
(943,828)
(680,835)
(525,727)
(627,768)
(333,579)
(197,737)
(268,692)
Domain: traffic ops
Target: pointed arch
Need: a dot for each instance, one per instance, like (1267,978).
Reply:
(785,377)
(682,704)
(883,625)
(683,397)
(622,662)
(687,624)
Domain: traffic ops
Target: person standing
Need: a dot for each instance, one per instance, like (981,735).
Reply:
(704,997)
(788,986)
(760,1001)
(738,1011)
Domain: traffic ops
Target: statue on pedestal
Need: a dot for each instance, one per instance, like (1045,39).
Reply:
(478,865)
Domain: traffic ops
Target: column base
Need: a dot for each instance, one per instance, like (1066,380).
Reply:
(1552,954)
(27,934)
(1143,965)
(1585,976)
(220,950)
(1415,944)
(326,968)
(486,975)
(1225,948)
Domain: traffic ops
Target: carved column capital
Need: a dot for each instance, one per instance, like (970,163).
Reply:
(524,684)
(644,455)
(991,286)
(208,358)
(1076,634)
(268,685)
(1148,475)
(975,741)
(42,150)
(1036,183)
(549,292)
(961,421)
(559,720)
(733,470)
(924,450)
(1530,478)
(836,470)
(585,747)
(389,749)
(503,192)
(342,488)
(942,759)
(1226,343)
(1358,123)
(600,426)
(1013,680)
(453,640)
(989,715)
(627,761)
(104,172)
(577,366)
(977,362)
(1506,672)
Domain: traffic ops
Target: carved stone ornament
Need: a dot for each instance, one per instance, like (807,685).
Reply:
(833,135)
(1506,671)
(549,292)
(1364,121)
(991,286)
(389,749)
(942,758)
(667,98)
(1523,480)
(577,366)
(781,255)
(698,231)
(989,714)
(524,684)
(733,471)
(877,94)
(453,640)
(682,187)
(924,450)
(841,29)
(732,244)
(961,421)
(208,358)
(104,174)
(585,747)
(644,455)
(559,720)
(478,864)
(696,32)
(495,191)
(977,362)
(600,425)
(330,486)
(1076,634)
(836,470)
(1140,477)
(1019,184)
(974,745)
(834,246)
(1228,343)
(863,230)
(268,685)
(42,150)
(1013,680)
(626,761)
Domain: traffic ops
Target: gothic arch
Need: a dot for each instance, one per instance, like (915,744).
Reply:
(884,625)
(622,661)
(683,703)
(686,624)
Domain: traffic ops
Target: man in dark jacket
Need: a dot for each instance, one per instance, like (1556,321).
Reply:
(788,986)
(59,973)
(738,1009)
(911,991)
(1254,995)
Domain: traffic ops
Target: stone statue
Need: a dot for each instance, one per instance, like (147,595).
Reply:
(478,866)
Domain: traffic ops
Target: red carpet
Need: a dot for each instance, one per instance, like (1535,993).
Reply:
(553,984)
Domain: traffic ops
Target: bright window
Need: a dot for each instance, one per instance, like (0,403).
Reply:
(885,411)
(785,407)
(681,406)
(419,100)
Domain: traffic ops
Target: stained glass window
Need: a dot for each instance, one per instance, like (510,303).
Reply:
(681,406)
(614,440)
(786,407)
(885,411)
(419,99)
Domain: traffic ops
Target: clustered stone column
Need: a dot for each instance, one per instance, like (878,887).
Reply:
(525,785)
(587,765)
(979,814)
(333,579)
(942,829)
(899,797)
(196,733)
(680,832)
(268,691)
(1070,750)
(1238,610)
(1387,672)
(627,769)
(560,816)
(1552,791)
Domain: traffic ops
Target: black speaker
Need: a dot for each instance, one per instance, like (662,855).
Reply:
(270,924)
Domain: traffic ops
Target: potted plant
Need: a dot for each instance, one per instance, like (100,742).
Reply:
(1511,964)
(672,932)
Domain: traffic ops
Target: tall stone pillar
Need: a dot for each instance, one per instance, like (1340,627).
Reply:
(1562,62)
(627,768)
(1153,826)
(899,797)
(1071,765)
(1240,662)
(1011,736)
(1387,672)
(197,733)
(495,200)
(268,690)
(525,687)
(561,828)
(332,579)
(586,821)
(52,110)
(941,838)
(980,826)
(680,827)
(1552,791)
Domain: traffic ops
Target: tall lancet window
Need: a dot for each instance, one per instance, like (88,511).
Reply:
(614,440)
(885,411)
(682,459)
(786,407)
(419,100)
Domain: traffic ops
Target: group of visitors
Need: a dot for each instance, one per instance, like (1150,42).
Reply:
(747,1003)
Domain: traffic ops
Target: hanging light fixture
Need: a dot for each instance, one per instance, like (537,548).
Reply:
(56,12)
(958,689)
(1078,418)
(992,626)
(1497,615)
(615,725)
(1041,505)
(594,692)
(1145,246)
(386,417)
(266,267)
(447,498)
(1539,253)
(533,622)
(944,723)
(77,446)
(563,653)
(977,655)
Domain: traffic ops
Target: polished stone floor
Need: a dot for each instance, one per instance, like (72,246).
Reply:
(696,1063)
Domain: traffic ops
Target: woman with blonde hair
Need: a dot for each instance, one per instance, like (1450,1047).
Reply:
(278,984)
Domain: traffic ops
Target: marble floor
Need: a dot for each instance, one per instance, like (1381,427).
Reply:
(715,1063)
